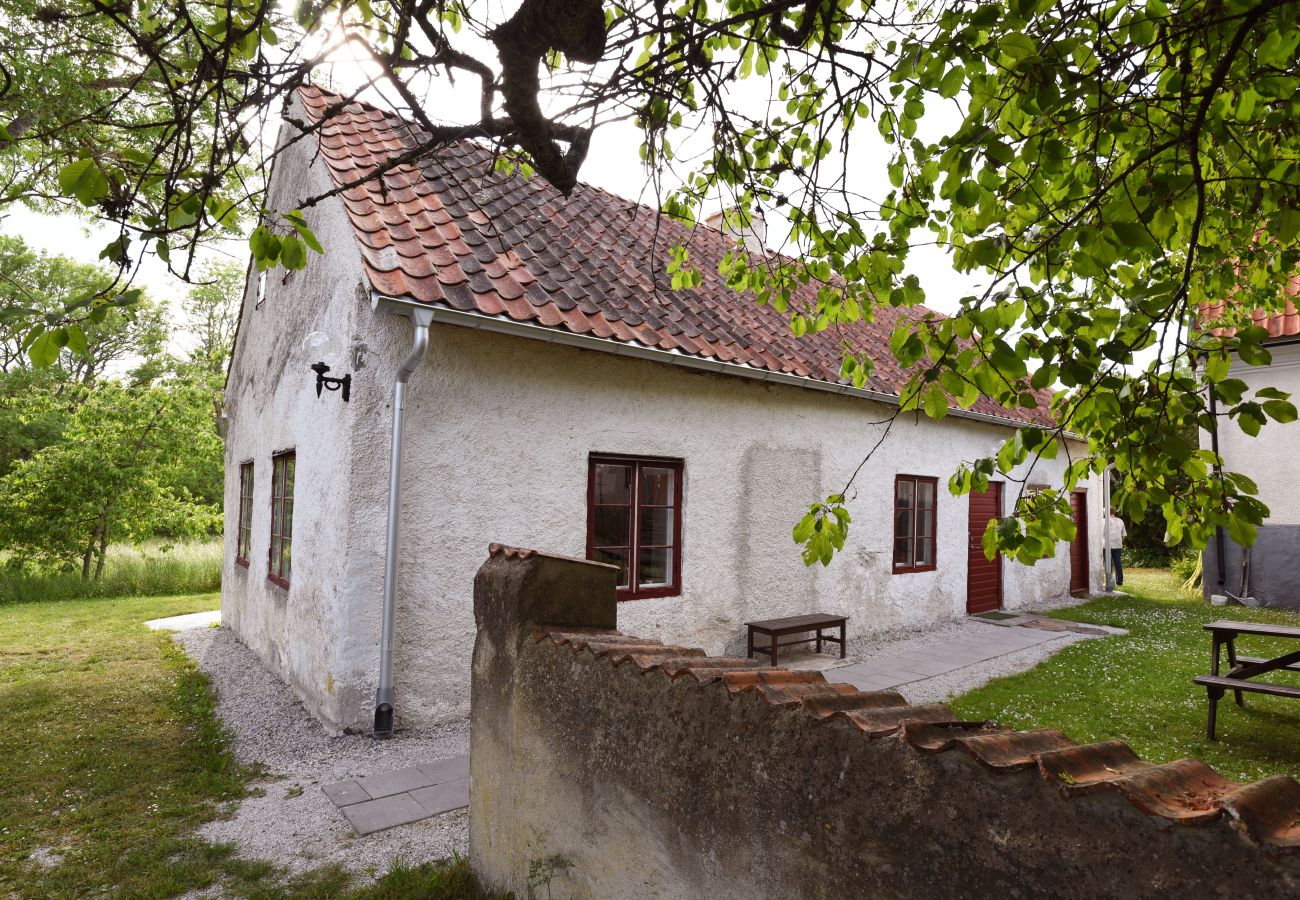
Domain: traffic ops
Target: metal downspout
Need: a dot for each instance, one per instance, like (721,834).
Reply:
(384,694)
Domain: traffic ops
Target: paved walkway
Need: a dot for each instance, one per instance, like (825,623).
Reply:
(189,620)
(375,802)
(978,643)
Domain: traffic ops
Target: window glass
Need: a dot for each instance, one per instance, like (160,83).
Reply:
(244,538)
(280,557)
(613,526)
(613,483)
(657,486)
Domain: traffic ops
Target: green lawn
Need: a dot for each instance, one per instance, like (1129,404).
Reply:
(1138,687)
(110,756)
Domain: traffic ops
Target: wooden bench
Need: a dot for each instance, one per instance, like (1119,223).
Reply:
(778,628)
(1223,634)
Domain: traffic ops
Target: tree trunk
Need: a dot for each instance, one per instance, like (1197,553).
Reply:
(85,559)
(103,550)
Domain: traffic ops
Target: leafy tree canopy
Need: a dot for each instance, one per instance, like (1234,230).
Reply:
(1106,167)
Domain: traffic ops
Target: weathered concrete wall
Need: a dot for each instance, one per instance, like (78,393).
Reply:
(1272,460)
(630,769)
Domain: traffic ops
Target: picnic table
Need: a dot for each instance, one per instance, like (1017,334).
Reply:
(778,628)
(1243,668)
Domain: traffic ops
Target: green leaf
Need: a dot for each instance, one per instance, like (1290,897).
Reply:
(292,253)
(1280,410)
(76,339)
(45,349)
(936,404)
(84,181)
(953,79)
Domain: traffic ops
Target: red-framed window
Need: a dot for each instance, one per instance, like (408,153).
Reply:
(281,554)
(244,540)
(634,521)
(914,522)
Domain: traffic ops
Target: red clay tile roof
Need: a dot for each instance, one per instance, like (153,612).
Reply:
(454,233)
(1280,324)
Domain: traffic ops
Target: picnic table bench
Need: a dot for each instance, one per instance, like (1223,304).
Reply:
(1242,668)
(778,628)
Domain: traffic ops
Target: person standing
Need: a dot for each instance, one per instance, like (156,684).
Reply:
(1117,534)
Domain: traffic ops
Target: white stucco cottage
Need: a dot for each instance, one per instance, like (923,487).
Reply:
(1271,460)
(568,400)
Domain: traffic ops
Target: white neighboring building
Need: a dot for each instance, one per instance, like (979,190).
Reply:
(558,381)
(1272,460)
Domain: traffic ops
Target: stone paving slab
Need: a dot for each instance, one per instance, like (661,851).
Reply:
(385,800)
(388,812)
(441,798)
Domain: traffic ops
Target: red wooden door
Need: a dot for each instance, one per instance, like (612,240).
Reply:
(983,576)
(1079,546)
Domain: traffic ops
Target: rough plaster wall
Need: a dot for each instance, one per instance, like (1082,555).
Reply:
(1271,459)
(498,435)
(272,406)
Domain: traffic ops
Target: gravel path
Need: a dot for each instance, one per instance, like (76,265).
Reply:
(293,823)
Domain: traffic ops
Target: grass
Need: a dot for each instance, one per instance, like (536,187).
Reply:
(1138,687)
(147,571)
(111,756)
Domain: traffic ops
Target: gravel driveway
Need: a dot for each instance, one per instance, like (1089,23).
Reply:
(293,824)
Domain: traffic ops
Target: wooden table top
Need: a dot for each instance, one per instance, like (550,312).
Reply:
(1261,628)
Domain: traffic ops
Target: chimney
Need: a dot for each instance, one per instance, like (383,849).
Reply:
(753,237)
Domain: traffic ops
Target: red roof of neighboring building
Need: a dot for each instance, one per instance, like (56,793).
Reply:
(1279,324)
(452,232)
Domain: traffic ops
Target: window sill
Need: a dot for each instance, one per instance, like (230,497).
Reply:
(647,594)
(908,570)
(241,562)
(278,581)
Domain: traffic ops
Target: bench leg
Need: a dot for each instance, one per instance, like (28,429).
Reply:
(1232,664)
(773,662)
(819,640)
(750,652)
(842,624)
(1215,694)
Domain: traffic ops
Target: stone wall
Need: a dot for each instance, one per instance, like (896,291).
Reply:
(618,767)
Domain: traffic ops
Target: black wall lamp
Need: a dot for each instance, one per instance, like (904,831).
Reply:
(343,384)
(319,344)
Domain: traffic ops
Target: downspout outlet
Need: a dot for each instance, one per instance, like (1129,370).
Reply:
(421,318)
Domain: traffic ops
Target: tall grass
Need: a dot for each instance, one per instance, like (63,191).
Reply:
(146,571)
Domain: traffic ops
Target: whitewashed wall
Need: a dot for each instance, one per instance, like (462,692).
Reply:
(1271,459)
(499,433)
(271,406)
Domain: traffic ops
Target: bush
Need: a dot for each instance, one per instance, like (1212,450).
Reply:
(1184,566)
(147,571)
